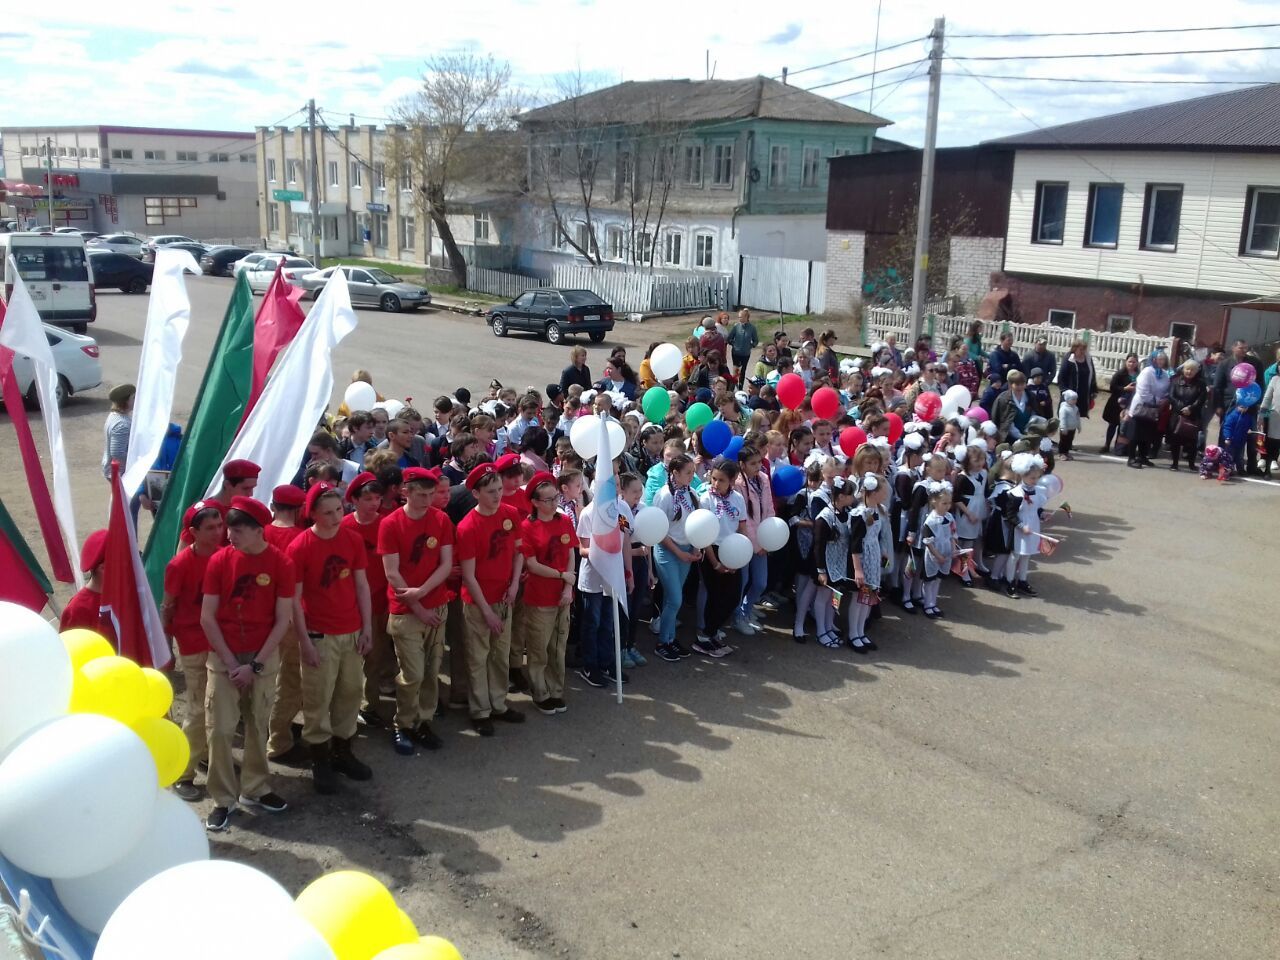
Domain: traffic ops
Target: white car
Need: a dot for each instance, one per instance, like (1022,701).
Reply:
(76,360)
(260,273)
(243,264)
(117,243)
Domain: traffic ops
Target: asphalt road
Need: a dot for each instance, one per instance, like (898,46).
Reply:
(1091,774)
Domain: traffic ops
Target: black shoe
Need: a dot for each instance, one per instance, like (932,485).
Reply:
(371,718)
(295,756)
(424,735)
(270,802)
(322,772)
(402,743)
(1173,466)
(517,682)
(547,706)
(685,652)
(933,613)
(561,706)
(484,726)
(667,652)
(509,715)
(1135,464)
(911,607)
(1147,462)
(219,819)
(612,678)
(591,678)
(203,767)
(1105,450)
(799,638)
(966,583)
(187,790)
(345,762)
(869,643)
(1024,587)
(1011,592)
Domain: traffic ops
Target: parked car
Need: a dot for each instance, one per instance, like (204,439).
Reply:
(260,273)
(196,250)
(370,287)
(553,314)
(249,259)
(120,270)
(117,243)
(66,230)
(218,260)
(76,359)
(57,274)
(162,240)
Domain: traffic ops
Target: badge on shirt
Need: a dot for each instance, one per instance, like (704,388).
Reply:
(344,573)
(432,543)
(506,524)
(564,538)
(263,579)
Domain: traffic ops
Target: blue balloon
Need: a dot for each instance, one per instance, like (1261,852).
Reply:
(715,437)
(1247,396)
(787,481)
(733,449)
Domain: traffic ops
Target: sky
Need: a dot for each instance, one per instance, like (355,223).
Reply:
(235,64)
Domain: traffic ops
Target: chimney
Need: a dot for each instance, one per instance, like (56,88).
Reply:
(784,76)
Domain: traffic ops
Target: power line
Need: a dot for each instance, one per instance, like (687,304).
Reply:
(1108,33)
(1135,53)
(894,89)
(860,76)
(856,56)
(1010,76)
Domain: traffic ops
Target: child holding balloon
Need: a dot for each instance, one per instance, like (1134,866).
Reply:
(753,485)
(674,555)
(723,583)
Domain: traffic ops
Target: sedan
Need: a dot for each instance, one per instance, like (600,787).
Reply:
(120,270)
(75,357)
(162,240)
(196,250)
(251,259)
(369,286)
(117,243)
(260,273)
(217,260)
(553,314)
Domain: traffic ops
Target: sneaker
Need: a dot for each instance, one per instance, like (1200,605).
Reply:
(219,819)
(509,715)
(684,652)
(547,706)
(704,645)
(655,626)
(590,678)
(719,649)
(270,802)
(483,726)
(667,652)
(187,790)
(745,627)
(612,679)
(1024,587)
(402,743)
(561,706)
(637,660)
(754,618)
(1011,591)
(627,660)
(768,603)
(371,718)
(424,735)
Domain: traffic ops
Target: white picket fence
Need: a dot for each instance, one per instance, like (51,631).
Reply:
(794,286)
(1108,350)
(499,283)
(640,291)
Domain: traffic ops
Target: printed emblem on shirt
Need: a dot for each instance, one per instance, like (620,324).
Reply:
(335,568)
(432,543)
(243,589)
(506,524)
(420,543)
(564,538)
(264,579)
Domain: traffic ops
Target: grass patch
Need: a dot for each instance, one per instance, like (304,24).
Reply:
(398,269)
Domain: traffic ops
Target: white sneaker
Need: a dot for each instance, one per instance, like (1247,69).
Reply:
(655,626)
(745,627)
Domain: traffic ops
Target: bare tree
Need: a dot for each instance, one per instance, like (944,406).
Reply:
(888,275)
(457,129)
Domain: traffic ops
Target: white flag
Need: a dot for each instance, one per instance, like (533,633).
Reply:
(23,334)
(297,393)
(168,316)
(606,534)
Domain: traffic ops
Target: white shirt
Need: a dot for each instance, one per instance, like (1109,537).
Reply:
(730,511)
(665,501)
(588,580)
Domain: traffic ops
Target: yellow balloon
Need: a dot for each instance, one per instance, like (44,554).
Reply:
(168,745)
(113,687)
(85,645)
(428,948)
(356,915)
(159,693)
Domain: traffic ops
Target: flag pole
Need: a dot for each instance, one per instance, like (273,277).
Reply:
(617,648)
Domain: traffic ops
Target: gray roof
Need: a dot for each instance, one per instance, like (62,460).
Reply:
(1247,119)
(698,101)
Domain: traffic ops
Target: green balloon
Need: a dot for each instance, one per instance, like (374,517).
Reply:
(698,415)
(656,404)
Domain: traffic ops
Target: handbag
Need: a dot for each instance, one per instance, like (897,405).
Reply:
(1144,411)
(1186,432)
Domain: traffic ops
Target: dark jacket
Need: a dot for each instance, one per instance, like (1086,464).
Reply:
(1119,397)
(1046,361)
(1080,377)
(1187,393)
(1001,362)
(1005,413)
(628,389)
(571,375)
(1224,393)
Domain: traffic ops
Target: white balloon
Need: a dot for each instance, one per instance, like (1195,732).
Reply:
(35,673)
(701,528)
(651,526)
(961,396)
(665,361)
(360,396)
(584,435)
(393,407)
(75,796)
(735,552)
(173,908)
(773,534)
(175,835)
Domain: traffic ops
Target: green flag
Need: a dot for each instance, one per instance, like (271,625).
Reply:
(215,418)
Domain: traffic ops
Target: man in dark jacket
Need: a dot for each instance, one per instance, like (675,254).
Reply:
(1003,359)
(1043,358)
(1013,409)
(1224,391)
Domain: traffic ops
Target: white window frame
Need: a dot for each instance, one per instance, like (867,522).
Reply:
(1251,217)
(119,154)
(482,226)
(722,165)
(380,177)
(218,158)
(357,176)
(291,171)
(334,171)
(779,165)
(581,236)
(1149,219)
(408,231)
(672,242)
(273,217)
(1060,312)
(1092,218)
(406,176)
(691,173)
(704,250)
(271,169)
(644,246)
(1037,228)
(1111,322)
(246,158)
(810,158)
(153,155)
(615,243)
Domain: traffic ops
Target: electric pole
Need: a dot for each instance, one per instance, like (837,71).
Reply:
(48,176)
(920,273)
(314,186)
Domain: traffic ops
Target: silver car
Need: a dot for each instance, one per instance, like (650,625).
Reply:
(74,356)
(117,243)
(370,287)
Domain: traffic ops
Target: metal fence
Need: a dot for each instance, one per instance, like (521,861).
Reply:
(773,283)
(500,283)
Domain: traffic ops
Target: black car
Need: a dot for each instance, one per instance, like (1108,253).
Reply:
(120,270)
(197,250)
(553,314)
(217,260)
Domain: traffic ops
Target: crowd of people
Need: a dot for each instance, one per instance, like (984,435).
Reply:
(460,543)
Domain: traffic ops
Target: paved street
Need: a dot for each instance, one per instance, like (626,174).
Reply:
(1091,774)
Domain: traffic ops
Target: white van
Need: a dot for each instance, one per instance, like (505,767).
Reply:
(57,274)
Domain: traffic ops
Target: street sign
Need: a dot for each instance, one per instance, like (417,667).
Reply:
(377,207)
(285,195)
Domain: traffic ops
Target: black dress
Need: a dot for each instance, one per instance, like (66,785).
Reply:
(1121,379)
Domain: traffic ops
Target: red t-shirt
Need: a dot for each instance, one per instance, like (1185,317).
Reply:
(184,581)
(85,610)
(373,563)
(326,569)
(520,500)
(418,544)
(491,542)
(281,537)
(551,543)
(247,587)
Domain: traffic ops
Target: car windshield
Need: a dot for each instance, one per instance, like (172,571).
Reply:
(296,262)
(381,276)
(581,298)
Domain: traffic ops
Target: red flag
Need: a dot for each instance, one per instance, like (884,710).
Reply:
(126,597)
(19,584)
(277,323)
(36,482)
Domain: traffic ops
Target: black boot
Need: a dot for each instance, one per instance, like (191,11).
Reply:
(345,762)
(322,775)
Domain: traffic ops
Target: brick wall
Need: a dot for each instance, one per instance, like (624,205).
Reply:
(845,256)
(973,261)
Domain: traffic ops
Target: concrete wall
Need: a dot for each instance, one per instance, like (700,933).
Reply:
(845,264)
(972,262)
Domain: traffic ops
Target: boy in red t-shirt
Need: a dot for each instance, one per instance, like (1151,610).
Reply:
(286,502)
(512,472)
(488,541)
(84,609)
(416,546)
(202,535)
(366,494)
(332,621)
(548,541)
(247,606)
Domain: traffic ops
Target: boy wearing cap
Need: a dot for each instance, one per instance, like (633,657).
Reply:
(365,493)
(202,536)
(246,609)
(332,622)
(286,501)
(488,541)
(415,544)
(513,495)
(84,610)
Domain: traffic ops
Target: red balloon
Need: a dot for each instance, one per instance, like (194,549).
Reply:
(928,405)
(791,390)
(895,427)
(851,438)
(825,403)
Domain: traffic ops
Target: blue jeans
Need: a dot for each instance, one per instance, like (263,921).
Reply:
(672,573)
(755,577)
(597,633)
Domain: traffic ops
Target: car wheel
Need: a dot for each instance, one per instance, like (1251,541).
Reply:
(390,303)
(597,336)
(136,285)
(499,326)
(553,333)
(63,390)
(79,328)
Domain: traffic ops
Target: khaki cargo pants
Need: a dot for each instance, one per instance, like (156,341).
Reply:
(331,691)
(420,650)
(487,661)
(545,634)
(195,671)
(227,706)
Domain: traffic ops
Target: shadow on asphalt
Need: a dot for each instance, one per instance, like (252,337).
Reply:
(113,338)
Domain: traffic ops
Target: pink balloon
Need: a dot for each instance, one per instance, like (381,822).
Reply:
(977,415)
(1243,374)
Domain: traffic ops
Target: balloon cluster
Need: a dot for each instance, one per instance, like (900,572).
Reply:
(85,751)
(702,527)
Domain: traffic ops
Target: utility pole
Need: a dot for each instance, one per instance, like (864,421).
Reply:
(920,273)
(48,176)
(313,188)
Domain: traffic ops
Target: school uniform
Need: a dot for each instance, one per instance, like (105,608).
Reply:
(724,590)
(970,490)
(491,541)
